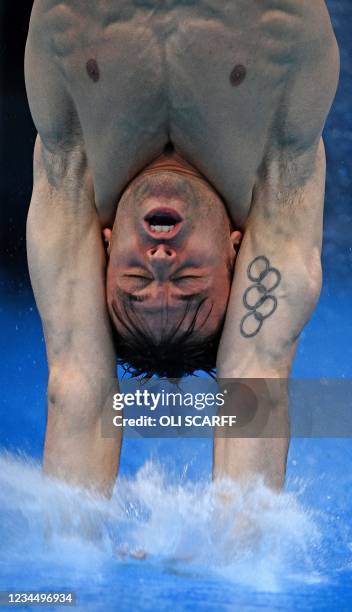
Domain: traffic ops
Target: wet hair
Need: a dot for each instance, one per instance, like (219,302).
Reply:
(177,353)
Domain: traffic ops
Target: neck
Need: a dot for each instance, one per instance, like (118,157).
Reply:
(172,163)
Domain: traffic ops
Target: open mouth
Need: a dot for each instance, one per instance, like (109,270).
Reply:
(163,222)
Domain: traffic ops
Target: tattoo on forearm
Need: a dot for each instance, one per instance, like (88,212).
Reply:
(257,298)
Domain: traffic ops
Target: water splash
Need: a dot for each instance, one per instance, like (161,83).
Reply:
(250,536)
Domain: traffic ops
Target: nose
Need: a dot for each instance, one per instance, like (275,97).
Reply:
(161,257)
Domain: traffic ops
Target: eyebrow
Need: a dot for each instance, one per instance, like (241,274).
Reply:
(131,297)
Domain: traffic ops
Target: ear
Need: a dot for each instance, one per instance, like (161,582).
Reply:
(107,234)
(236,238)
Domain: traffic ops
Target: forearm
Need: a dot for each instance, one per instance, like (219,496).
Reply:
(77,448)
(258,445)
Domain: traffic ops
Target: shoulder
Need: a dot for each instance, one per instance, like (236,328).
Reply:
(48,93)
(317,43)
(312,80)
(308,21)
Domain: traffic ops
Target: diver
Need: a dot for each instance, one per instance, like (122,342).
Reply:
(176,217)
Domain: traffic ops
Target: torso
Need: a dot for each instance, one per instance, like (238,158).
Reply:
(210,76)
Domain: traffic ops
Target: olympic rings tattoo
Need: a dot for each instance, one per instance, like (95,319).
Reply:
(265,296)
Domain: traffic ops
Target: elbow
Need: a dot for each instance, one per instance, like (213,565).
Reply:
(313,281)
(304,281)
(307,293)
(299,300)
(72,397)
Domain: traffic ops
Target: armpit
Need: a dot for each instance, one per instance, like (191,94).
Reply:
(285,171)
(63,168)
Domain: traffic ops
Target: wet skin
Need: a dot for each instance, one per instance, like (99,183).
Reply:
(209,77)
(166,274)
(242,90)
(125,78)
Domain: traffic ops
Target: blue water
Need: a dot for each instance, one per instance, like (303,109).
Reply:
(294,550)
(291,551)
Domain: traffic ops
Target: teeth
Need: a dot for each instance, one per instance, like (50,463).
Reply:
(161,228)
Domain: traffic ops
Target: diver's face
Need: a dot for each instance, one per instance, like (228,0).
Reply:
(171,248)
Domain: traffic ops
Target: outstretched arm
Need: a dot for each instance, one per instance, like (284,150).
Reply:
(67,268)
(278,271)
(275,289)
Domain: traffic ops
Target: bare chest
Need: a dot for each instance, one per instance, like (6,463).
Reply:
(208,75)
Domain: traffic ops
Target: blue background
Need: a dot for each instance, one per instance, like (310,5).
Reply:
(324,466)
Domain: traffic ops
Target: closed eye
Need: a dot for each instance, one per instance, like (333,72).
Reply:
(138,276)
(139,280)
(182,278)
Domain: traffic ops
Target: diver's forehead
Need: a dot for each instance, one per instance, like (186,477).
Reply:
(160,321)
(154,308)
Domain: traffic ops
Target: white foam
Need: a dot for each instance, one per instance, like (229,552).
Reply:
(250,536)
